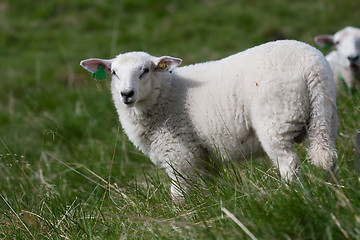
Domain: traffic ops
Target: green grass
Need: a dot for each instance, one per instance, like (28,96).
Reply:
(67,171)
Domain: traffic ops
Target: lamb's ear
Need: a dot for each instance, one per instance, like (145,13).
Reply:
(325,41)
(166,63)
(92,64)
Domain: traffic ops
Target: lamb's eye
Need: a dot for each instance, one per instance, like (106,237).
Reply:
(146,70)
(337,42)
(113,72)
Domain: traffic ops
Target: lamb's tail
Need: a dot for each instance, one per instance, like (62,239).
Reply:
(322,125)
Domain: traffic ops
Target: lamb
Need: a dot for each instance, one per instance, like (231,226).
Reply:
(344,61)
(265,98)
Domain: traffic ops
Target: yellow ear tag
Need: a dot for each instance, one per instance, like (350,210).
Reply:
(162,65)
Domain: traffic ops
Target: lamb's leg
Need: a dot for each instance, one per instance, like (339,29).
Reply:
(184,173)
(182,178)
(278,145)
(284,158)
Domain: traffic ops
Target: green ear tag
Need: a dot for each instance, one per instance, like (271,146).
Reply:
(100,73)
(327,45)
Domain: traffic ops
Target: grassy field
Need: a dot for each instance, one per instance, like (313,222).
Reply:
(67,171)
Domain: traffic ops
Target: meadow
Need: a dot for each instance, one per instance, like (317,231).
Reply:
(67,171)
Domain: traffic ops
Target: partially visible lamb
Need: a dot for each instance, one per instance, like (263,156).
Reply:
(344,61)
(267,97)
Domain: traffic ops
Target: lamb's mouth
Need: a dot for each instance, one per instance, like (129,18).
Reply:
(129,102)
(354,67)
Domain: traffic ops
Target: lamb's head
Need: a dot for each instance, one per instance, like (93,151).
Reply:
(133,73)
(347,43)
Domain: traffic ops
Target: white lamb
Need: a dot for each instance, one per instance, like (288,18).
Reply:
(344,61)
(267,97)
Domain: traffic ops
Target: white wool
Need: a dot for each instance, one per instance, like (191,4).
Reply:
(262,99)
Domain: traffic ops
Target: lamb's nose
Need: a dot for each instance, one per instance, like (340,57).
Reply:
(127,94)
(353,58)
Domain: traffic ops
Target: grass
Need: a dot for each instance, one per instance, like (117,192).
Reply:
(67,171)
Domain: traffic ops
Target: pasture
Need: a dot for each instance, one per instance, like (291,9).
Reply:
(67,171)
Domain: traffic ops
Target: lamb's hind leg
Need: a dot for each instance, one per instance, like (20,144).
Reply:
(285,159)
(279,146)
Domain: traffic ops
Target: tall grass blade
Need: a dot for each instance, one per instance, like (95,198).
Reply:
(17,216)
(237,221)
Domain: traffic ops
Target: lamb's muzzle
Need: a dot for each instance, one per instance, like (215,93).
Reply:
(353,63)
(128,97)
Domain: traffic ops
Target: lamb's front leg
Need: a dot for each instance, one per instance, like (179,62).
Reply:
(181,179)
(184,159)
(185,170)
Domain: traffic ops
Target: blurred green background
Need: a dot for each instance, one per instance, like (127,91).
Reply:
(55,119)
